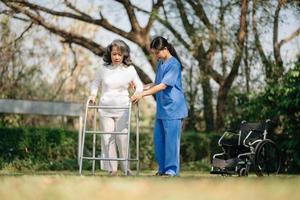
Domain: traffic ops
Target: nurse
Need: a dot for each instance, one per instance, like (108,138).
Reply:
(171,107)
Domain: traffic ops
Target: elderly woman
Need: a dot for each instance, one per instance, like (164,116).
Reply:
(114,78)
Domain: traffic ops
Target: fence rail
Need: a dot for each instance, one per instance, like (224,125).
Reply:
(44,108)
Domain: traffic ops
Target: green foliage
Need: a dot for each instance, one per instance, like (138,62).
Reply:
(280,102)
(146,151)
(197,146)
(197,149)
(37,149)
(56,149)
(289,110)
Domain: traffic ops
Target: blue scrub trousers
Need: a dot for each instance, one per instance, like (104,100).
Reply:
(167,134)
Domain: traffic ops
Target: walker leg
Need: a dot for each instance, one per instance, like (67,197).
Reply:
(79,140)
(81,153)
(94,152)
(137,140)
(128,140)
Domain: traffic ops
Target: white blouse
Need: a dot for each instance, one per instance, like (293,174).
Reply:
(114,81)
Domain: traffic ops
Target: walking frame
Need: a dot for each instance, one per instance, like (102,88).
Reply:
(95,132)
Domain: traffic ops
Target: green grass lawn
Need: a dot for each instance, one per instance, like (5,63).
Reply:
(190,185)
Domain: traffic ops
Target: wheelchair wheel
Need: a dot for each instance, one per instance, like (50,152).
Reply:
(267,158)
(243,172)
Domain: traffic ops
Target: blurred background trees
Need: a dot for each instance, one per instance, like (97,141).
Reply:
(240,57)
(221,44)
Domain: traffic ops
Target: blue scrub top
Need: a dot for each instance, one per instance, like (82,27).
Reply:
(171,103)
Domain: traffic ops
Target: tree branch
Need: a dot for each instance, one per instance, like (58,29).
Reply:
(178,35)
(289,38)
(265,61)
(131,15)
(72,7)
(55,94)
(205,64)
(153,14)
(222,38)
(11,14)
(200,13)
(22,34)
(166,23)
(20,6)
(6,12)
(143,76)
(276,48)
(240,45)
(85,18)
(68,37)
(187,25)
(18,38)
(74,58)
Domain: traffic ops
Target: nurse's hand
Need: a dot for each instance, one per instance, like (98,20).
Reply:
(136,97)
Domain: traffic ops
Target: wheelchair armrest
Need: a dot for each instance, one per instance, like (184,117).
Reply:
(248,136)
(227,132)
(269,122)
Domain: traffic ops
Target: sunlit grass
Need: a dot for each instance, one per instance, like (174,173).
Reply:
(190,185)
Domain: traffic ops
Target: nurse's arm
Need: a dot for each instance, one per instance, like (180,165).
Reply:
(153,90)
(148,86)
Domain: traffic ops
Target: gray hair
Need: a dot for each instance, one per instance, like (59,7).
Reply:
(125,50)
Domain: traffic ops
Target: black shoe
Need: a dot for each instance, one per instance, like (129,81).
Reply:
(159,174)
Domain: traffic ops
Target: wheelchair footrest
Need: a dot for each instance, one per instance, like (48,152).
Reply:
(222,172)
(221,163)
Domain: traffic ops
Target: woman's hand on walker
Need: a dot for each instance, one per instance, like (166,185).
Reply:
(92,99)
(136,97)
(132,85)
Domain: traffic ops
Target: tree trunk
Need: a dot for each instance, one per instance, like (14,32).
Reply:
(221,108)
(227,83)
(204,66)
(191,94)
(278,68)
(207,103)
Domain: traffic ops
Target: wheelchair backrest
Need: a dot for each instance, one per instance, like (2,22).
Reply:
(257,130)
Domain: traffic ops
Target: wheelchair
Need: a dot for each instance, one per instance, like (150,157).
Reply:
(247,149)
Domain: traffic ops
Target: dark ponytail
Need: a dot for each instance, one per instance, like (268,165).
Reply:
(159,43)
